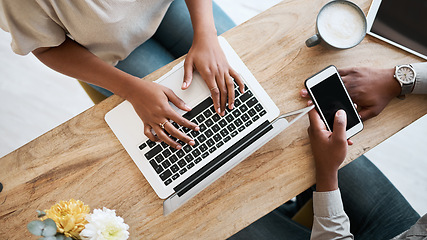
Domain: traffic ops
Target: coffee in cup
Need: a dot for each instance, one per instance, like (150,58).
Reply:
(340,24)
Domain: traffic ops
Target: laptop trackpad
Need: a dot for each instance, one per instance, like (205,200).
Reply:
(193,95)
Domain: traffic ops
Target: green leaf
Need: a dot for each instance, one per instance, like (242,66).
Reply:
(48,238)
(36,227)
(60,236)
(40,214)
(50,228)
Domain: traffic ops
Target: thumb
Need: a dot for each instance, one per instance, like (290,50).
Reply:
(178,102)
(188,74)
(340,124)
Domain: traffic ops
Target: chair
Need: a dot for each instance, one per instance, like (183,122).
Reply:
(304,216)
(94,95)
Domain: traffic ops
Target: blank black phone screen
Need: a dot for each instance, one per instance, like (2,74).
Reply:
(331,97)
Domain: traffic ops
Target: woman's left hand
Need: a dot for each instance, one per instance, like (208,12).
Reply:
(207,57)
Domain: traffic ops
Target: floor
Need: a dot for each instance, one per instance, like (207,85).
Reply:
(37,99)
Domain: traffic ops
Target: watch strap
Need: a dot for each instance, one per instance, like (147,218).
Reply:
(406,88)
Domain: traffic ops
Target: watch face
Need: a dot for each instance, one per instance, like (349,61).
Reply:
(405,74)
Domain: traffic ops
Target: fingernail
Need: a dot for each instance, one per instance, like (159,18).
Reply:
(340,113)
(178,147)
(187,107)
(223,113)
(309,102)
(197,128)
(191,143)
(231,106)
(219,110)
(184,84)
(341,116)
(304,92)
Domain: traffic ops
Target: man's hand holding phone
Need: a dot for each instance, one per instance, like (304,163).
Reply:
(329,149)
(329,94)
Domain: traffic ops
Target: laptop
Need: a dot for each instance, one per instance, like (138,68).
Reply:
(221,143)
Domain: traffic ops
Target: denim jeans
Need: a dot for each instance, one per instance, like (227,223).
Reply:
(172,40)
(377,210)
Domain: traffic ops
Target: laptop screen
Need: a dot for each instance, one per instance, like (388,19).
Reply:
(403,22)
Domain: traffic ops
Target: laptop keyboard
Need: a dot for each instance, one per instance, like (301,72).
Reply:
(170,163)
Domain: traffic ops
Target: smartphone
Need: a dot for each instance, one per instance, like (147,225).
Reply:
(329,95)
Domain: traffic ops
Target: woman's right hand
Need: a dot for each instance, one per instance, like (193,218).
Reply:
(151,102)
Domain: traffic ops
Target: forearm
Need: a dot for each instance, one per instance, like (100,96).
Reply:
(420,85)
(330,221)
(149,99)
(201,17)
(329,151)
(75,61)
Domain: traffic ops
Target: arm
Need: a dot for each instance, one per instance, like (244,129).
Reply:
(329,150)
(153,108)
(372,89)
(329,221)
(207,57)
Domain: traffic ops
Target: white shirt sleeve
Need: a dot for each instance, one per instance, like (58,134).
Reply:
(421,78)
(330,221)
(29,25)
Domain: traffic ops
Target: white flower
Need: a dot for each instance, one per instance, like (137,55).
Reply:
(105,225)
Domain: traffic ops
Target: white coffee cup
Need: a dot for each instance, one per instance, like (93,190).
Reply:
(340,24)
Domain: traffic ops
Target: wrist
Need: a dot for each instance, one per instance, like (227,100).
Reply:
(393,86)
(405,75)
(204,35)
(126,88)
(326,181)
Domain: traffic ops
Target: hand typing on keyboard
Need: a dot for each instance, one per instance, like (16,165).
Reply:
(214,132)
(157,114)
(207,57)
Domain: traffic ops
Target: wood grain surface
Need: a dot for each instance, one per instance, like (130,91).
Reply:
(82,159)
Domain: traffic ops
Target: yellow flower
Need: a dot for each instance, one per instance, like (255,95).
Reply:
(69,217)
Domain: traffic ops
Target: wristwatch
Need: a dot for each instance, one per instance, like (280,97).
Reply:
(405,75)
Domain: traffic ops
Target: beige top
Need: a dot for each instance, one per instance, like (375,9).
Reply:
(110,29)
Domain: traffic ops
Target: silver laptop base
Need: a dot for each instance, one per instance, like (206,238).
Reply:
(174,201)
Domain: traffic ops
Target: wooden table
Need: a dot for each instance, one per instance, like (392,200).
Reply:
(82,158)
